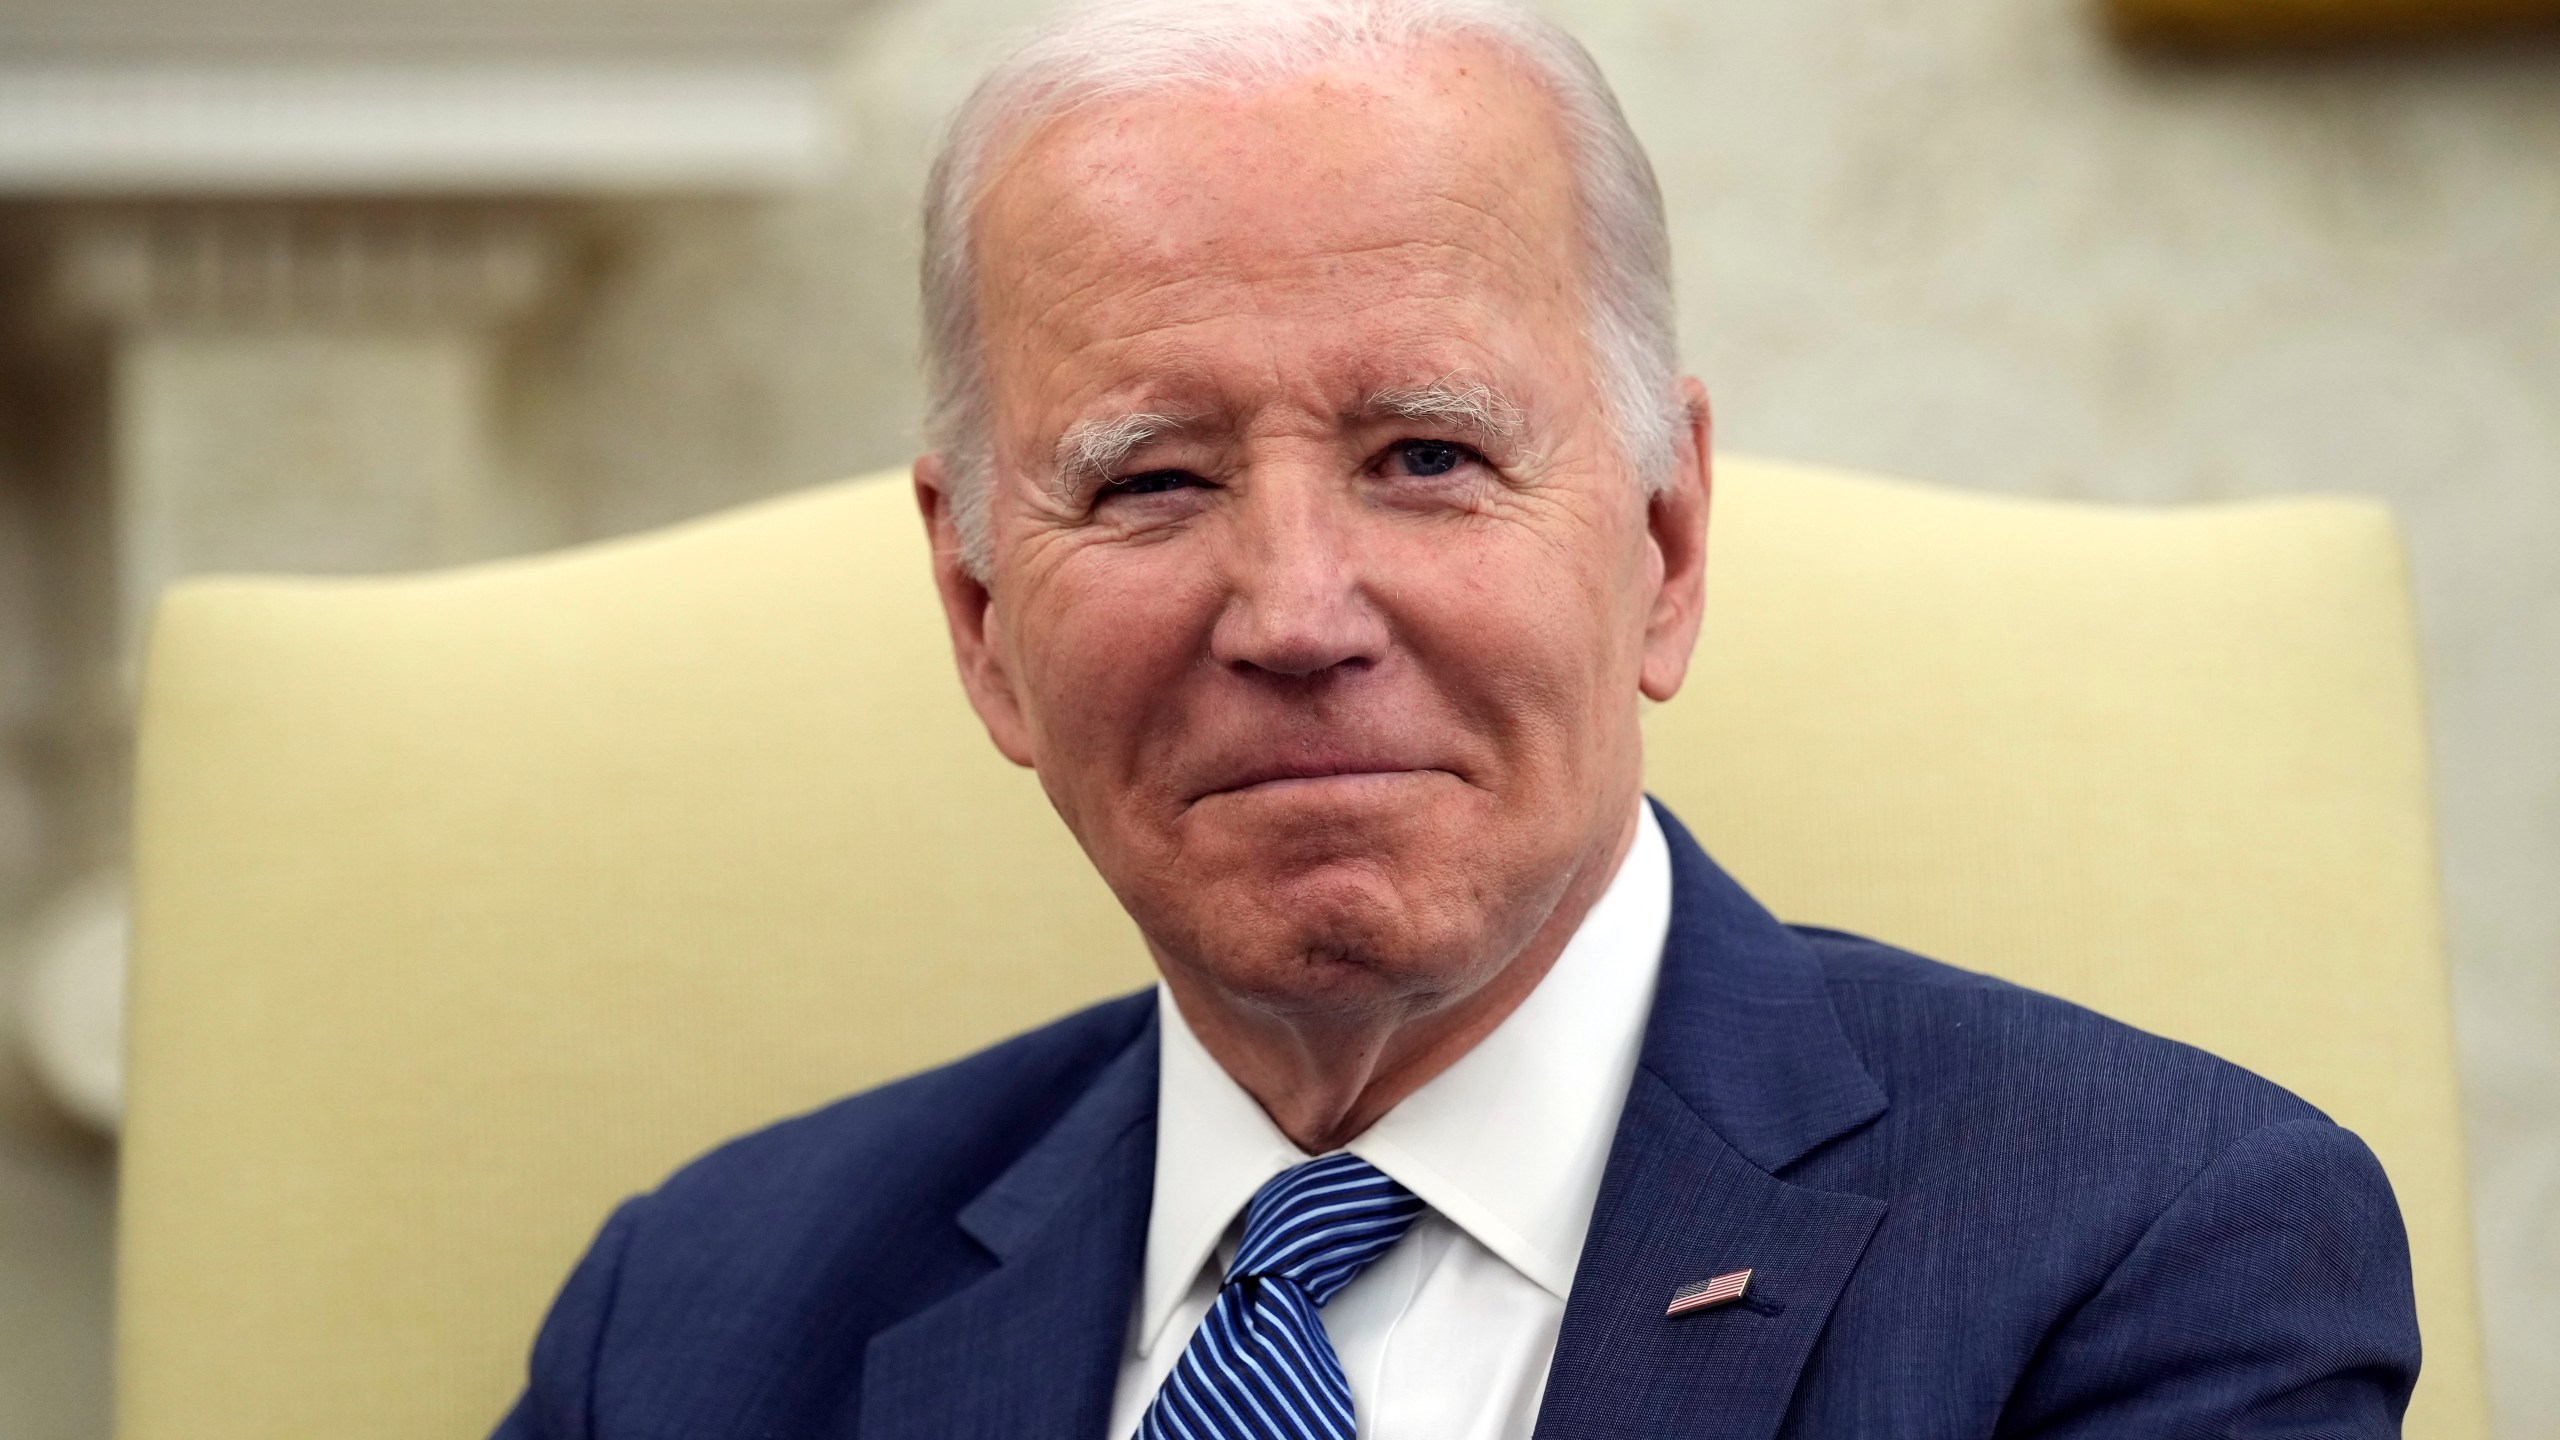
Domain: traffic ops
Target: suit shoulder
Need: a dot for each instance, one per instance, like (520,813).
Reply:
(2129,1227)
(727,1300)
(1936,1030)
(950,1129)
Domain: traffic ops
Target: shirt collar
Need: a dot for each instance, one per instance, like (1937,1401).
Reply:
(1508,1143)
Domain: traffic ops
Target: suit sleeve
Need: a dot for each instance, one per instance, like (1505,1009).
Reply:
(2271,1299)
(559,1393)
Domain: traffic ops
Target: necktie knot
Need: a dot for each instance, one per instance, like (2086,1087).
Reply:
(1319,1224)
(1260,1366)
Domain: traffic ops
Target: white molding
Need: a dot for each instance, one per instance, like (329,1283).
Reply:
(195,31)
(307,268)
(72,128)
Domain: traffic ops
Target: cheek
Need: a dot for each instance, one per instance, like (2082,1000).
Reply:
(1522,638)
(1101,641)
(1537,634)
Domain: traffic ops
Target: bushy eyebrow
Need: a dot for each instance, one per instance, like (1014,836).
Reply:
(1471,409)
(1092,451)
(1089,455)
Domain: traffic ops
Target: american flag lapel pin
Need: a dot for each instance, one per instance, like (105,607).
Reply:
(1708,1294)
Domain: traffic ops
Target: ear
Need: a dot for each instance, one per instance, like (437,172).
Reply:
(1676,521)
(978,641)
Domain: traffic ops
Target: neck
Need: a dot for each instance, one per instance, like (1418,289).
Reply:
(1325,1076)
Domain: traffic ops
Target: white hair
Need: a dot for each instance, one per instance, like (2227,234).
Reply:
(1108,49)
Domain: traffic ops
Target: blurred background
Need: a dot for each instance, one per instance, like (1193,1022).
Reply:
(377,284)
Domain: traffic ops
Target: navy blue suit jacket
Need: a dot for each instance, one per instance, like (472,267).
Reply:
(1969,1210)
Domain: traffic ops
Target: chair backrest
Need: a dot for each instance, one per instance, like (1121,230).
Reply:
(471,902)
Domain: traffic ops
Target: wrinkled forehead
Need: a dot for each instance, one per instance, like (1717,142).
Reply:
(1433,186)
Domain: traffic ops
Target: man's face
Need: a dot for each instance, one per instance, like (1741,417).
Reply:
(1321,596)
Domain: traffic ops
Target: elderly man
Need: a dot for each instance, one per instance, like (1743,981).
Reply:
(1313,498)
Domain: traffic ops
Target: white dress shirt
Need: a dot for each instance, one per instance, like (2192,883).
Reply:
(1447,1336)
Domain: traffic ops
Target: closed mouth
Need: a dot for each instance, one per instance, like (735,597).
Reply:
(1277,777)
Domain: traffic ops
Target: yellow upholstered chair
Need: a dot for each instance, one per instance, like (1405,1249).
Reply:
(469,903)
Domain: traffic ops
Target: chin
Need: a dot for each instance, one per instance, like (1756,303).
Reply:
(1335,971)
(1343,933)
(1338,892)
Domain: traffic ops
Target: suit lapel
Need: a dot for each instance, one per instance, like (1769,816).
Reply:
(1676,1206)
(1744,1071)
(1030,1350)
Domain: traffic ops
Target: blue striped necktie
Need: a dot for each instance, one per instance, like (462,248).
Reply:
(1260,1366)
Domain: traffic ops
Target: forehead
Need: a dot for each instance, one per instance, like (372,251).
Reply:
(1370,220)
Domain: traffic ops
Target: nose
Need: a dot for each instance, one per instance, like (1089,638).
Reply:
(1296,604)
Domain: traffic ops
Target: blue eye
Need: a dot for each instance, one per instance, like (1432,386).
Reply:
(1426,459)
(1149,482)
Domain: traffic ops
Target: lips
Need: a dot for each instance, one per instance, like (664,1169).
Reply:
(1280,770)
